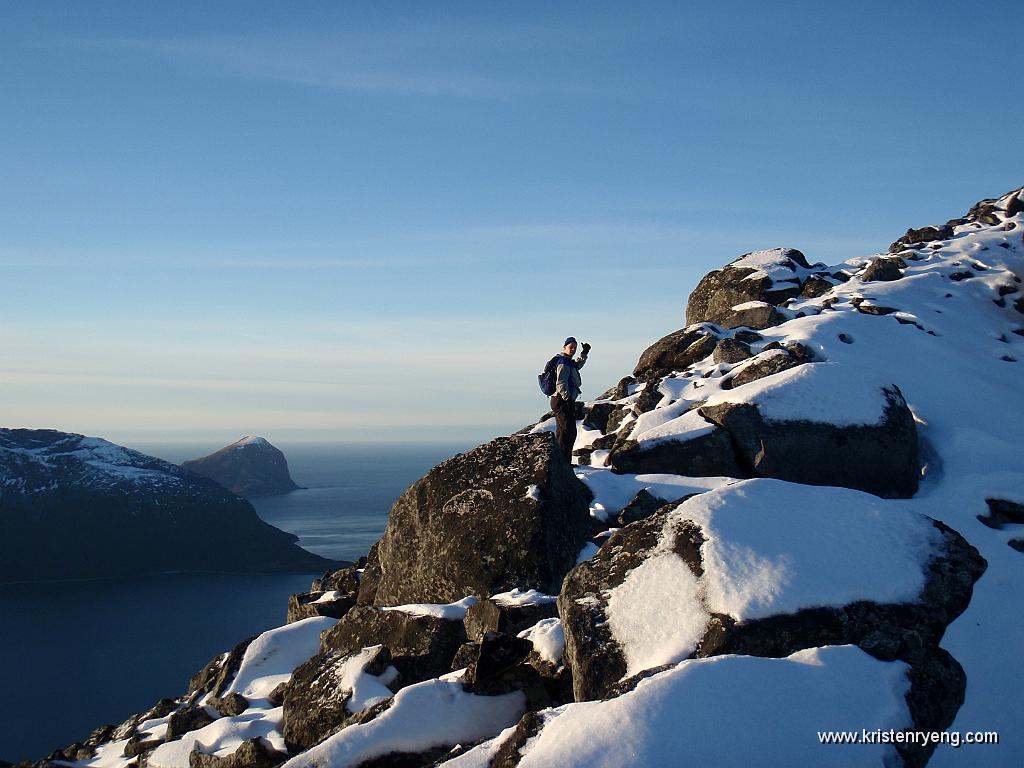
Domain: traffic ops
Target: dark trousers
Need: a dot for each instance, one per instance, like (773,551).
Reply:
(565,420)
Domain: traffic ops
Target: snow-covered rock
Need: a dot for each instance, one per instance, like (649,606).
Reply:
(764,568)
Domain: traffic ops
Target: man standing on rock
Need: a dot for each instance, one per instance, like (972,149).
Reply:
(567,389)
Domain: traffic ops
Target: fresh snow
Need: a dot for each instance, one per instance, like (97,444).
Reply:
(845,395)
(271,657)
(733,710)
(656,615)
(770,548)
(454,611)
(682,428)
(366,689)
(431,714)
(548,638)
(519,598)
(614,491)
(222,737)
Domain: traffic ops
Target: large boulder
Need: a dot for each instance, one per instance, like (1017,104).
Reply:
(784,427)
(771,277)
(507,514)
(763,568)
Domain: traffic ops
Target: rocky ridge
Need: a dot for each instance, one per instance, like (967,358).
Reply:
(788,510)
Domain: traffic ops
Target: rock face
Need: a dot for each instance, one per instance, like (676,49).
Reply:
(250,467)
(507,514)
(81,507)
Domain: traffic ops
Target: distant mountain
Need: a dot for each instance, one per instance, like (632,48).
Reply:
(250,467)
(76,507)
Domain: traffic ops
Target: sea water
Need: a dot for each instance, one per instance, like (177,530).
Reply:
(77,655)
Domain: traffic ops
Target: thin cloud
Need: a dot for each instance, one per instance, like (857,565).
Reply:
(395,63)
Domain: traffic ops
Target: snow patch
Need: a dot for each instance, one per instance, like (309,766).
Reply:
(453,611)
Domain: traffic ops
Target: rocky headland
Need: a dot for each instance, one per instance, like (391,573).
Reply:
(250,467)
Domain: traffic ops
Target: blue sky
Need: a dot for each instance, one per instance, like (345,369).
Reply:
(353,221)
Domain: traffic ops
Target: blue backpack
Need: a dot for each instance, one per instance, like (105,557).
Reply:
(546,380)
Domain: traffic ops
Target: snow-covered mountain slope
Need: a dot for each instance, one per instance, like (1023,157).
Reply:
(81,507)
(805,507)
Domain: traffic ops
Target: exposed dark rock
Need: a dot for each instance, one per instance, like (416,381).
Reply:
(884,269)
(922,235)
(421,647)
(649,398)
(315,702)
(887,631)
(481,617)
(471,526)
(250,467)
(345,580)
(938,685)
(760,316)
(875,309)
(1017,544)
(499,663)
(597,416)
(370,578)
(254,753)
(731,351)
(816,286)
(880,459)
(616,419)
(644,504)
(508,756)
(80,507)
(1001,512)
(594,657)
(309,604)
(408,759)
(706,455)
(675,352)
(231,705)
(764,364)
(746,336)
(488,616)
(137,746)
(276,696)
(719,291)
(185,720)
(218,673)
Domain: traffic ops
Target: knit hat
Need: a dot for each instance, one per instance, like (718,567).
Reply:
(569,341)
